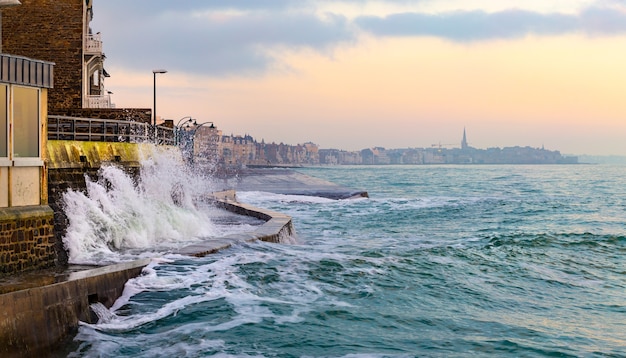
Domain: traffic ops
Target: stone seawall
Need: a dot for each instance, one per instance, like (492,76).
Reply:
(27,239)
(70,162)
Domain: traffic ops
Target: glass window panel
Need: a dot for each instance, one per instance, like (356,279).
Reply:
(4,138)
(25,122)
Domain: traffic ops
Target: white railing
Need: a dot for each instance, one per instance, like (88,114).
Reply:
(98,102)
(93,43)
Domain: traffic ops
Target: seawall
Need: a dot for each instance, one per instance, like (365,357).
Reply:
(40,309)
(70,162)
(278,228)
(36,319)
(46,313)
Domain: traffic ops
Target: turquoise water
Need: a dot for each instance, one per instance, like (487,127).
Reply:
(441,261)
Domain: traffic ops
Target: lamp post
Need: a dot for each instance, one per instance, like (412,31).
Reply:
(154,114)
(177,127)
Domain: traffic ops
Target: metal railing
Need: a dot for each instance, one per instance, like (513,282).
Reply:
(107,130)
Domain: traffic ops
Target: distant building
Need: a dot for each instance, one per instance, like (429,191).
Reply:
(464,141)
(236,150)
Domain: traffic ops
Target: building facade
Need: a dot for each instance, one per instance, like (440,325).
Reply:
(76,50)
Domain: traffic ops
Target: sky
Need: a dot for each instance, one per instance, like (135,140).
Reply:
(354,74)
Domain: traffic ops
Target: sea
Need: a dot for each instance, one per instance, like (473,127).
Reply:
(439,261)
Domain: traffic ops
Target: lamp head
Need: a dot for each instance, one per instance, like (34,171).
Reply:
(156,71)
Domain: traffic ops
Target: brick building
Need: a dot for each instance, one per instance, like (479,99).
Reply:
(63,35)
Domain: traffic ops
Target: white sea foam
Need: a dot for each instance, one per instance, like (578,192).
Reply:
(116,216)
(260,197)
(207,282)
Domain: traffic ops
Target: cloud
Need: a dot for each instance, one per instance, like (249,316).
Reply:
(198,39)
(149,8)
(480,25)
(240,37)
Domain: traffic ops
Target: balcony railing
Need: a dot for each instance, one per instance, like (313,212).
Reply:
(98,102)
(93,44)
(106,130)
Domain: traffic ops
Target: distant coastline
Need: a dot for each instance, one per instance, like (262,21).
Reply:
(235,151)
(439,155)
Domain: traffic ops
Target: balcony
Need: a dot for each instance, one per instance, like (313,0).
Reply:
(98,102)
(93,44)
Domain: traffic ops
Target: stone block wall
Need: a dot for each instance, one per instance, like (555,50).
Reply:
(50,30)
(71,162)
(59,182)
(143,115)
(27,240)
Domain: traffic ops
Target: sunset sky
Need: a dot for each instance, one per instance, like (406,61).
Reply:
(354,74)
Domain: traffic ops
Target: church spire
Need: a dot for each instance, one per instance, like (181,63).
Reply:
(464,141)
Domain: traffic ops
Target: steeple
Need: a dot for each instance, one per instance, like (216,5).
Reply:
(464,141)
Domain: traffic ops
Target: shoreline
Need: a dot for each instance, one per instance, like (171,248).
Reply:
(38,316)
(43,310)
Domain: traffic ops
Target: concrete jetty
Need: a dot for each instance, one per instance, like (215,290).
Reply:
(288,181)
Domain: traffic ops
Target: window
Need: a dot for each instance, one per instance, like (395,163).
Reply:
(25,122)
(4,125)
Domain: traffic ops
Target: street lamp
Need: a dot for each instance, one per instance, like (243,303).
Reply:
(177,128)
(154,72)
(188,118)
(200,125)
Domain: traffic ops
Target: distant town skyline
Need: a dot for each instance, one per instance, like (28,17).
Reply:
(394,74)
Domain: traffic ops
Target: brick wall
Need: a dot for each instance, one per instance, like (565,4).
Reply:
(27,239)
(49,30)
